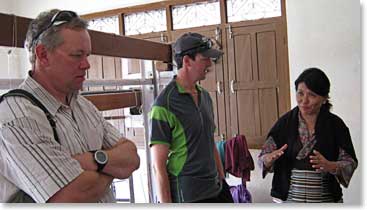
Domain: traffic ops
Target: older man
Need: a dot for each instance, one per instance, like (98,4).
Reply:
(78,161)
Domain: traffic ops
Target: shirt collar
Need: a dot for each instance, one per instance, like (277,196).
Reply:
(182,89)
(48,100)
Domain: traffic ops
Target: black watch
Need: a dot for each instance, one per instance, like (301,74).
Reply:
(101,158)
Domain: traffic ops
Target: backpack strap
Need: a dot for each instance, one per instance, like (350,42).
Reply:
(36,102)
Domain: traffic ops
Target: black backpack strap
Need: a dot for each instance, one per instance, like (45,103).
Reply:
(36,102)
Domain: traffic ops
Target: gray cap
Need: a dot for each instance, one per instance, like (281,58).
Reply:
(194,42)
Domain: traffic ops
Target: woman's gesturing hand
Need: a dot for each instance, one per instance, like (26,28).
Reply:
(270,158)
(321,164)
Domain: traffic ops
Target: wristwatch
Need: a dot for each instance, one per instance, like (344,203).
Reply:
(101,158)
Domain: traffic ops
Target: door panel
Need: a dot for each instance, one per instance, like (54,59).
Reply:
(95,71)
(247,102)
(253,69)
(242,44)
(268,108)
(109,70)
(266,53)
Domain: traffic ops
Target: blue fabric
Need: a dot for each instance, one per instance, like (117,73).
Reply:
(221,147)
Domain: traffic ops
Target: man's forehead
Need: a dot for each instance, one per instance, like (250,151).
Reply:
(76,38)
(201,56)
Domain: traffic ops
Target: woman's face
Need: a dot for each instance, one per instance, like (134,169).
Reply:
(309,103)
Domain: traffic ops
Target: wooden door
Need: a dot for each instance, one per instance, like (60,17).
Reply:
(213,82)
(257,80)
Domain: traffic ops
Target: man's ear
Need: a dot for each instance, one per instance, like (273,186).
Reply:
(186,60)
(42,54)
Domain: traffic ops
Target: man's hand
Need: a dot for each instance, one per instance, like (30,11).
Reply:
(123,159)
(86,161)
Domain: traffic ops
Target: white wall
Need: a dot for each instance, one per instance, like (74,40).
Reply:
(27,8)
(6,6)
(327,34)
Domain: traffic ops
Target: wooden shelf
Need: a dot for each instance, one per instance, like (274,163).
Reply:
(118,100)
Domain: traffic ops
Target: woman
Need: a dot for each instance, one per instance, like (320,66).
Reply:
(309,149)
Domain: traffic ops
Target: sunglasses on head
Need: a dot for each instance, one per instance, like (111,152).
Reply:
(205,44)
(59,18)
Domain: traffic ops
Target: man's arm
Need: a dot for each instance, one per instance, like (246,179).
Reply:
(89,186)
(123,160)
(218,162)
(159,158)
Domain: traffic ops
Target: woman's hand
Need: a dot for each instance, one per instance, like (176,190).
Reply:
(270,158)
(321,164)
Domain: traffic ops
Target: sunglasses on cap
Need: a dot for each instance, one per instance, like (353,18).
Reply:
(206,44)
(59,18)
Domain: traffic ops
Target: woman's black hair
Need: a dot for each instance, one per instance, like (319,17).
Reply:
(317,81)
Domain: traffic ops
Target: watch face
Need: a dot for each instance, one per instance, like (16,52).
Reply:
(101,157)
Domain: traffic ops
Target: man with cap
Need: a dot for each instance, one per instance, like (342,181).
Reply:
(185,160)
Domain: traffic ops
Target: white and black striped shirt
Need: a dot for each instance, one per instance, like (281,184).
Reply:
(31,159)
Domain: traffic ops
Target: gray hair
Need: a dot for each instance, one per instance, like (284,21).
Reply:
(49,37)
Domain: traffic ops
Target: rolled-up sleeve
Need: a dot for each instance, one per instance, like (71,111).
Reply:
(32,159)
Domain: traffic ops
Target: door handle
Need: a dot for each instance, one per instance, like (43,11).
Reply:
(219,91)
(231,86)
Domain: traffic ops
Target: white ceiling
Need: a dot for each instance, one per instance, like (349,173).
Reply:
(31,8)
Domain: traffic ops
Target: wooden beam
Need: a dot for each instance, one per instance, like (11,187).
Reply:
(109,101)
(127,47)
(14,29)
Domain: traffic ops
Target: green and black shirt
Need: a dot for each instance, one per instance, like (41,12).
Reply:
(188,130)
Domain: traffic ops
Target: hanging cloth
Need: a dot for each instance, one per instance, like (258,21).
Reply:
(238,160)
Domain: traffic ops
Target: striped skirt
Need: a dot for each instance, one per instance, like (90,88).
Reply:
(309,187)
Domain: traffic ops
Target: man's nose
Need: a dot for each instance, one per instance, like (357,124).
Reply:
(85,65)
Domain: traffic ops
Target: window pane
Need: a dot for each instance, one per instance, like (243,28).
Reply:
(239,10)
(14,65)
(145,22)
(107,24)
(194,15)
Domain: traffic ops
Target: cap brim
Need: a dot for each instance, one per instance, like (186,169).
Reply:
(212,53)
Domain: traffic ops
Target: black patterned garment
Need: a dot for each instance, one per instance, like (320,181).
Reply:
(346,164)
(309,187)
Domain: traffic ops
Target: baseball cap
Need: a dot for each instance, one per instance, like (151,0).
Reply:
(194,42)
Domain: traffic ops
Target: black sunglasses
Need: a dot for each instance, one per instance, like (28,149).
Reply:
(206,44)
(59,18)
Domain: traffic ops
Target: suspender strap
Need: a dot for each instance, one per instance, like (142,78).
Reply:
(36,102)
